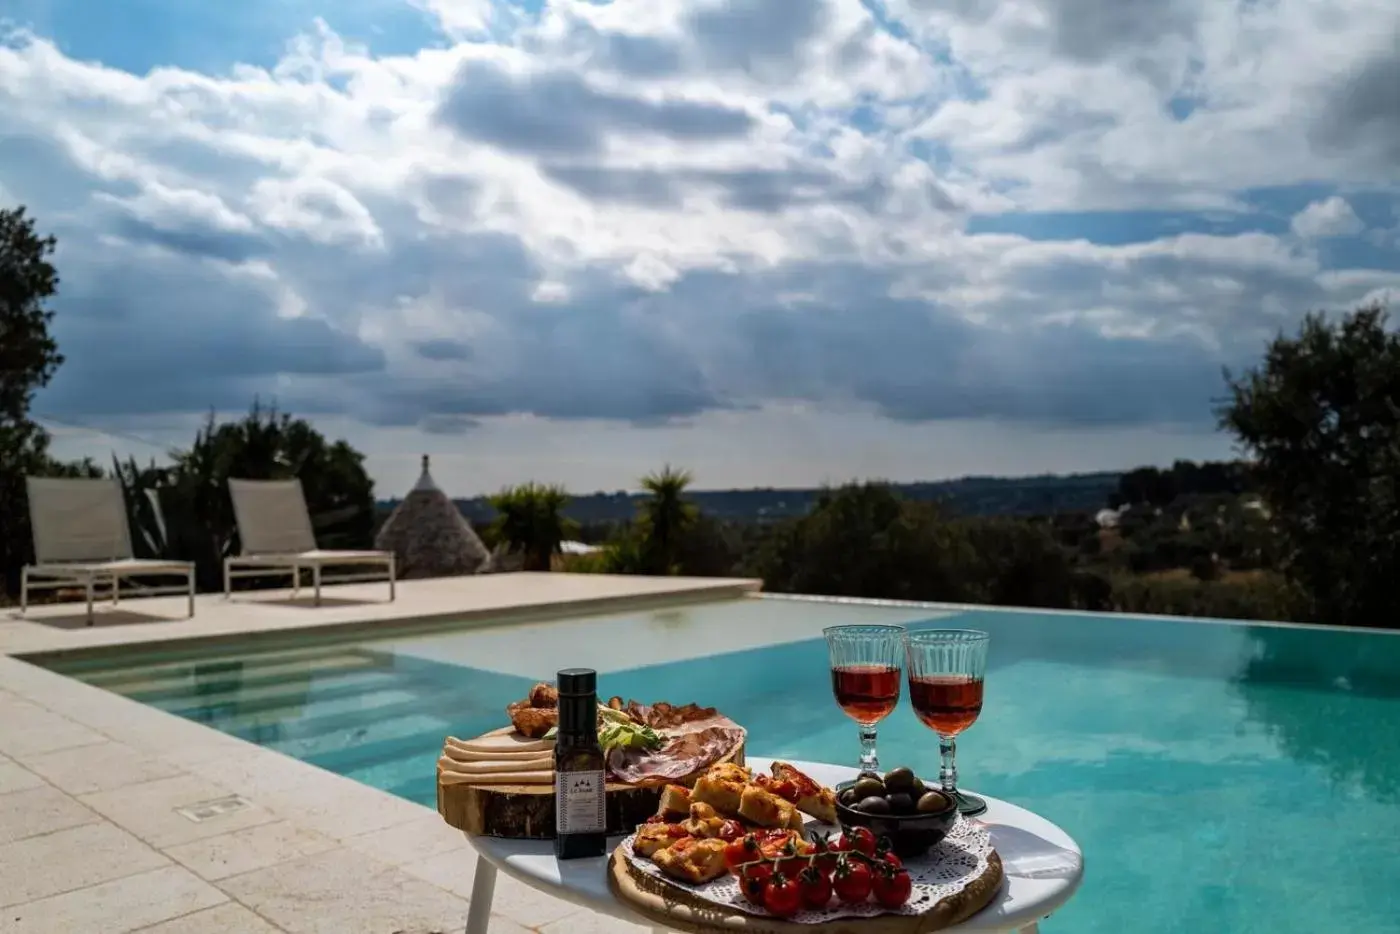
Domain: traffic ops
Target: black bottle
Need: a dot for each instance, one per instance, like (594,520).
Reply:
(580,806)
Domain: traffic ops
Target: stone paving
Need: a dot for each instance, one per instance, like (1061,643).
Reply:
(117,817)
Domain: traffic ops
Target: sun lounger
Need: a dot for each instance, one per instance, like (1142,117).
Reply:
(274,527)
(82,538)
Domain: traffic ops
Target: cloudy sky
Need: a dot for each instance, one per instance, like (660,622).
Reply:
(776,241)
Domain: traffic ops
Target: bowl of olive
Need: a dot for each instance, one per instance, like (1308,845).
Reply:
(897,805)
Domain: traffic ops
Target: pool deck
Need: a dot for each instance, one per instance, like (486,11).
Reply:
(118,817)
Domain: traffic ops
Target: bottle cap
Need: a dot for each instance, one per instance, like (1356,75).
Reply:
(577,681)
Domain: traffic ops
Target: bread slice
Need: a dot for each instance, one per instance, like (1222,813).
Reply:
(694,861)
(766,809)
(675,802)
(722,794)
(653,838)
(810,797)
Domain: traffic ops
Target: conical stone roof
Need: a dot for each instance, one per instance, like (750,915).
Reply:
(429,536)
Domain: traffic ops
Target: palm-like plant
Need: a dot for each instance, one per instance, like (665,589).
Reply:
(666,516)
(530,520)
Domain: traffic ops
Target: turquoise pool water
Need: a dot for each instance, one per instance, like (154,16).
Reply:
(1220,778)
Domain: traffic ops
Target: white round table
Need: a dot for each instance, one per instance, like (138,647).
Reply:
(1043,865)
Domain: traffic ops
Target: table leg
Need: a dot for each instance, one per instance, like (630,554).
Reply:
(483,889)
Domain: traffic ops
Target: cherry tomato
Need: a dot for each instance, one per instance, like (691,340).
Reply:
(791,860)
(730,831)
(815,888)
(892,886)
(889,857)
(859,840)
(753,879)
(851,881)
(827,850)
(781,896)
(740,851)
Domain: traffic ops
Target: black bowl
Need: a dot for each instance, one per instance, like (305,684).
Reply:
(910,835)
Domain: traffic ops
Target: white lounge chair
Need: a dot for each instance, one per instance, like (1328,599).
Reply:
(82,539)
(274,527)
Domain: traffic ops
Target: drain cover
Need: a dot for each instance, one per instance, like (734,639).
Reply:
(207,810)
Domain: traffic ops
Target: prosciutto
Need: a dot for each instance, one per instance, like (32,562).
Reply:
(691,747)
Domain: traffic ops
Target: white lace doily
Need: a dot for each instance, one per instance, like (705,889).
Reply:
(961,858)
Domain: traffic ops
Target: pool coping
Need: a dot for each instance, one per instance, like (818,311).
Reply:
(372,615)
(988,608)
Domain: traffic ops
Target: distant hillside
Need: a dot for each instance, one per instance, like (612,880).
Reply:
(973,496)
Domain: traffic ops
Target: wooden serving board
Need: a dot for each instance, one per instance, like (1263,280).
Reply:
(526,812)
(675,909)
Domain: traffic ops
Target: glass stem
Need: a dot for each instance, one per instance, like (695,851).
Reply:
(869,762)
(948,770)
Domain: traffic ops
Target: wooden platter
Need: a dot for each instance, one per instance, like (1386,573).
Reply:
(675,909)
(526,811)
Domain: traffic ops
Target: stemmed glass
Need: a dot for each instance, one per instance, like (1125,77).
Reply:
(865,677)
(946,671)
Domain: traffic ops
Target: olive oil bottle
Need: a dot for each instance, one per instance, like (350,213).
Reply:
(580,815)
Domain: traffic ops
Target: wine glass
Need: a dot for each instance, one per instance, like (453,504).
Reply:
(865,676)
(946,671)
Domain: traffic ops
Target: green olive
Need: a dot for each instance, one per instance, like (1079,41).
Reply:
(868,788)
(874,805)
(847,797)
(901,779)
(932,802)
(900,802)
(868,774)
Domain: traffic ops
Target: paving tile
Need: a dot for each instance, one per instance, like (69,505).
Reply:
(593,922)
(243,851)
(416,840)
(344,890)
(229,918)
(38,811)
(515,900)
(28,730)
(70,859)
(149,810)
(15,777)
(116,907)
(100,767)
(339,807)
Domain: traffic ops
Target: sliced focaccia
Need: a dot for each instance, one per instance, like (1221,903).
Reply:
(704,821)
(761,807)
(719,792)
(691,860)
(810,797)
(729,771)
(653,838)
(675,802)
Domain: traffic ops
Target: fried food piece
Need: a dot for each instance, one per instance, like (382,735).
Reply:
(791,784)
(694,861)
(544,695)
(766,809)
(532,721)
(675,802)
(653,838)
(704,822)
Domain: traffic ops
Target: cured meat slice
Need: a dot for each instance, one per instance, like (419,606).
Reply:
(690,749)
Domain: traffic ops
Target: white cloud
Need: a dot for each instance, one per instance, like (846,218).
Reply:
(1332,217)
(606,210)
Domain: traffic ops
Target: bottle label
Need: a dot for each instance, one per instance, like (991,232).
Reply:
(579,802)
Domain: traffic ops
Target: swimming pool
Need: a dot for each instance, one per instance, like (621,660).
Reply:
(1219,777)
